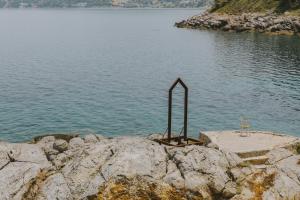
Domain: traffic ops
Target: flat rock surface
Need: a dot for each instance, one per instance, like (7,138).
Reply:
(236,141)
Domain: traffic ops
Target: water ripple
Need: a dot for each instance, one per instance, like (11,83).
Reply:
(100,71)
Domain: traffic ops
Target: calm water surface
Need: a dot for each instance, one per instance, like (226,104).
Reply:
(108,71)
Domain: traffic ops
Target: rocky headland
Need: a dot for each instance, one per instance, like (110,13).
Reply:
(95,167)
(247,22)
(274,17)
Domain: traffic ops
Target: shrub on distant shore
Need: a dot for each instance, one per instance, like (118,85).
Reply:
(248,6)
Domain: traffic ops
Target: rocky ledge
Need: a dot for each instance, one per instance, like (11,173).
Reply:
(247,22)
(95,167)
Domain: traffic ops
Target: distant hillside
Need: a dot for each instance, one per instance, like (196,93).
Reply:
(105,3)
(248,6)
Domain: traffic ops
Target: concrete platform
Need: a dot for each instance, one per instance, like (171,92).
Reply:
(251,142)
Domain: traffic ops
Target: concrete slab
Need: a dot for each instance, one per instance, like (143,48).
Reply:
(250,141)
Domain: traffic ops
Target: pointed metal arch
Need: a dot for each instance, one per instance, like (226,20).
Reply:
(186,90)
(177,140)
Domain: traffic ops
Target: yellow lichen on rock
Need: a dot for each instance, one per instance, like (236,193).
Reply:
(138,188)
(34,185)
(259,183)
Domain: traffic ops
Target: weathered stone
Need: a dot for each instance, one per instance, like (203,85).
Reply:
(297,26)
(198,184)
(100,137)
(230,189)
(46,144)
(16,178)
(204,162)
(60,160)
(155,136)
(83,173)
(57,136)
(136,156)
(4,159)
(173,176)
(54,187)
(27,153)
(90,138)
(138,168)
(291,167)
(232,158)
(278,154)
(47,139)
(60,145)
(76,142)
(213,145)
(283,187)
(138,188)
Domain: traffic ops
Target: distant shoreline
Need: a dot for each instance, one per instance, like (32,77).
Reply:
(104,8)
(248,22)
(242,16)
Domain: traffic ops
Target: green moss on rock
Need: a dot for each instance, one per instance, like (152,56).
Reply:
(250,6)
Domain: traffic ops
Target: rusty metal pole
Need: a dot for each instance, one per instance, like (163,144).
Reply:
(170,116)
(185,113)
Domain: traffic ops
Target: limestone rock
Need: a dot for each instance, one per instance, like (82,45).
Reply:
(16,178)
(283,188)
(91,138)
(4,159)
(230,189)
(139,188)
(136,156)
(173,176)
(197,184)
(206,165)
(26,153)
(46,144)
(60,145)
(83,172)
(278,154)
(213,146)
(76,143)
(155,136)
(138,168)
(100,137)
(232,158)
(291,167)
(55,187)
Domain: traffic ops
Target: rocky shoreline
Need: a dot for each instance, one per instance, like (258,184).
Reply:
(247,22)
(95,167)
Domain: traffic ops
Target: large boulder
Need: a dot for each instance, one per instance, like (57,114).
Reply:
(60,145)
(204,169)
(135,156)
(17,178)
(54,187)
(21,166)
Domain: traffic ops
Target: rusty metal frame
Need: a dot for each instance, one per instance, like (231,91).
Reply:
(178,139)
(186,91)
(189,141)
